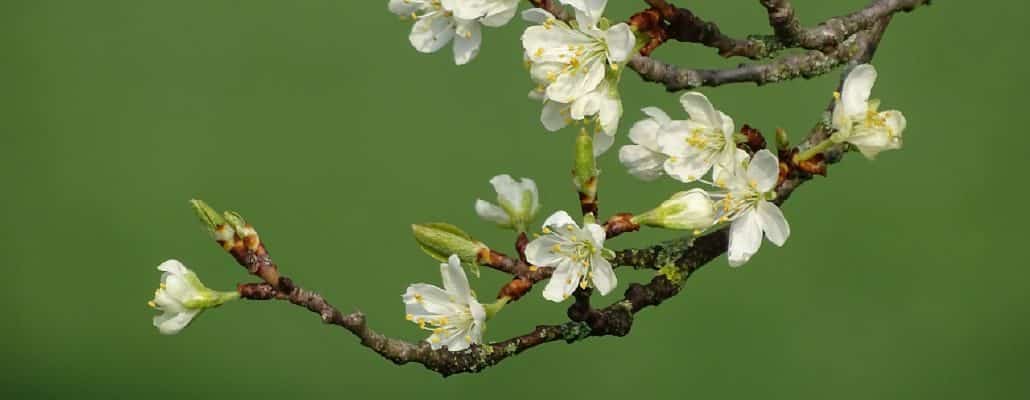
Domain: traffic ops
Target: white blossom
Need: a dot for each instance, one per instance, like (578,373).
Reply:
(857,119)
(602,104)
(452,313)
(182,296)
(517,203)
(569,60)
(747,203)
(439,22)
(697,144)
(576,255)
(645,159)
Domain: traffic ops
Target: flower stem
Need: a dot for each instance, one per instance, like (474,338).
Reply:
(813,151)
(496,307)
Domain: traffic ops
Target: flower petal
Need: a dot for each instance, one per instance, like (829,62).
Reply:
(536,16)
(775,226)
(745,238)
(559,219)
(602,142)
(641,162)
(491,212)
(563,282)
(431,33)
(602,275)
(620,41)
(171,324)
(857,87)
(467,40)
(700,109)
(540,251)
(554,115)
(688,169)
(454,279)
(764,171)
(597,234)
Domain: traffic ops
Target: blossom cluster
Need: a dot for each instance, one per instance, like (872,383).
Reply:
(576,65)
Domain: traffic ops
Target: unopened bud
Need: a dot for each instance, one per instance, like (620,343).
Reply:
(440,240)
(688,210)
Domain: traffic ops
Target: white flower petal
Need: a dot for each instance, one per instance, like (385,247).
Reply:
(172,267)
(454,279)
(467,40)
(602,142)
(597,234)
(602,275)
(700,109)
(642,162)
(764,171)
(431,33)
(491,212)
(657,114)
(857,87)
(775,226)
(620,41)
(563,282)
(540,251)
(554,115)
(687,170)
(174,323)
(536,16)
(745,238)
(559,220)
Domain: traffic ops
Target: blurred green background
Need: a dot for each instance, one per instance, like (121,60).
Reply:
(318,121)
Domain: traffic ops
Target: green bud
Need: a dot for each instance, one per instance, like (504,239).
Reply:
(440,240)
(585,169)
(235,220)
(782,140)
(208,216)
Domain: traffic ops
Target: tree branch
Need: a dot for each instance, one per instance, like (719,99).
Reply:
(677,260)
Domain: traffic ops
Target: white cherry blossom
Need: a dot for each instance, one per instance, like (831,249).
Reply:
(571,60)
(857,119)
(576,255)
(453,315)
(697,144)
(747,202)
(439,22)
(182,296)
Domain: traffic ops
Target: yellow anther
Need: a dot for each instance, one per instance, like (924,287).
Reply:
(546,230)
(162,286)
(434,339)
(152,304)
(409,317)
(836,95)
(442,321)
(697,232)
(556,248)
(418,298)
(533,268)
(615,67)
(753,183)
(539,52)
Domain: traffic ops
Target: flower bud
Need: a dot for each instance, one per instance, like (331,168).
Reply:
(517,203)
(440,240)
(692,209)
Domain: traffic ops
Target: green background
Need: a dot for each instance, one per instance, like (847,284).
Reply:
(904,277)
